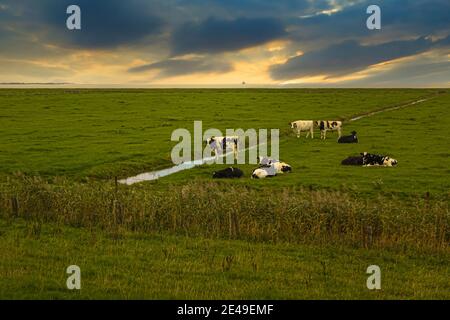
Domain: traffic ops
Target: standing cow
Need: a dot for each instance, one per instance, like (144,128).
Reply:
(303,125)
(221,145)
(325,126)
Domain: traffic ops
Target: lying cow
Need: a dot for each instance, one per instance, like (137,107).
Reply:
(378,160)
(353,138)
(280,167)
(228,173)
(303,125)
(325,126)
(220,145)
(265,161)
(264,172)
(353,161)
(367,159)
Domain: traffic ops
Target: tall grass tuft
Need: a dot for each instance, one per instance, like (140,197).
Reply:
(230,212)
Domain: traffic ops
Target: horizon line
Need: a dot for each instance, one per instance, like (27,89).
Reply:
(40,85)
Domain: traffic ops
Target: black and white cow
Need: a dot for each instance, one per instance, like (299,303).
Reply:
(264,172)
(228,173)
(303,125)
(266,161)
(368,159)
(280,167)
(325,126)
(270,168)
(220,145)
(353,161)
(378,160)
(353,138)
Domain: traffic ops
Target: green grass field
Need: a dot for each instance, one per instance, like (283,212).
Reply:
(100,133)
(137,266)
(61,149)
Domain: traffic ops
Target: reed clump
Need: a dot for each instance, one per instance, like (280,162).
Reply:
(218,210)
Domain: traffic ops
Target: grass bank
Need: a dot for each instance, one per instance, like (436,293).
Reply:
(222,211)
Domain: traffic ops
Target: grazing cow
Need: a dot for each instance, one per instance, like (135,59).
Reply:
(349,139)
(280,167)
(367,159)
(228,173)
(220,145)
(303,125)
(325,126)
(264,172)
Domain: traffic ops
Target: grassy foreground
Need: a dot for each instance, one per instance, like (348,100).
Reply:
(193,243)
(145,266)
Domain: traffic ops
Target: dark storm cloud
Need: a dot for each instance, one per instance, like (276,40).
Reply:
(418,73)
(105,24)
(232,9)
(339,43)
(445,42)
(176,67)
(399,19)
(216,36)
(113,23)
(334,44)
(423,71)
(347,57)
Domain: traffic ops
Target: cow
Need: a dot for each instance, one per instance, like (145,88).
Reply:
(303,125)
(228,173)
(264,172)
(353,161)
(378,160)
(265,161)
(325,126)
(280,167)
(353,138)
(220,145)
(368,159)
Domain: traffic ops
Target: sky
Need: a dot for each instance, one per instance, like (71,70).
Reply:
(303,43)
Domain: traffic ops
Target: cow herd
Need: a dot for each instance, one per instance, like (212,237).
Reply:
(323,125)
(268,168)
(271,167)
